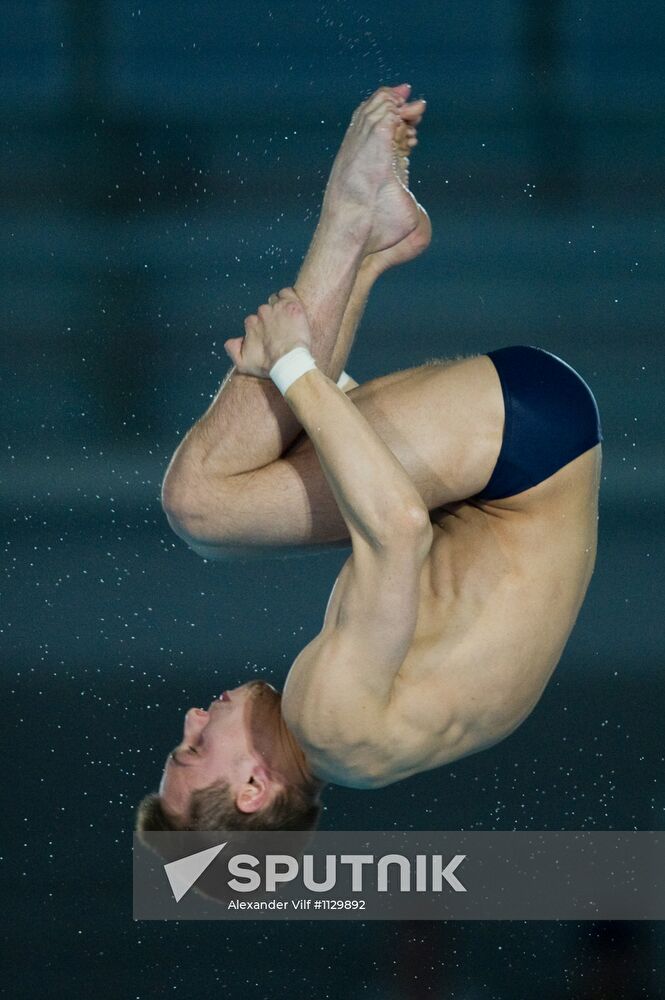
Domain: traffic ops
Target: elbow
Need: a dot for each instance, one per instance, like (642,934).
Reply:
(414,521)
(408,526)
(418,528)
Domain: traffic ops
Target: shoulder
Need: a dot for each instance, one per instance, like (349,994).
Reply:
(349,737)
(342,730)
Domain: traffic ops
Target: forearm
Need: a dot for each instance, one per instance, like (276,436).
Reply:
(248,424)
(373,492)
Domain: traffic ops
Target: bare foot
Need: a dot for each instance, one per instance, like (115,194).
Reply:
(419,239)
(364,178)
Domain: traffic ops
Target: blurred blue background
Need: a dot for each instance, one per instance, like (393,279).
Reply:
(162,170)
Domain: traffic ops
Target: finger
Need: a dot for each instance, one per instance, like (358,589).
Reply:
(233,348)
(273,298)
(288,293)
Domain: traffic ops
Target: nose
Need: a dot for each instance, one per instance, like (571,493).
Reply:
(195,713)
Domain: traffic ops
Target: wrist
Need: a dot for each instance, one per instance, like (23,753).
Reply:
(290,367)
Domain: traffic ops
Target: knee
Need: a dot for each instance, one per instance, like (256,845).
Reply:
(200,519)
(178,503)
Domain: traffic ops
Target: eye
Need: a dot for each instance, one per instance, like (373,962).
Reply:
(193,749)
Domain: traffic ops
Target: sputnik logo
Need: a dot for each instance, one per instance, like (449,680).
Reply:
(183,873)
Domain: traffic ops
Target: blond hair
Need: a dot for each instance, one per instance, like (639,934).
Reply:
(294,807)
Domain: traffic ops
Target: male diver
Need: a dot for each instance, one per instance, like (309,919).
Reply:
(467,487)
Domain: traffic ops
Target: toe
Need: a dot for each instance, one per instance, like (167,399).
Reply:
(402,91)
(379,97)
(414,111)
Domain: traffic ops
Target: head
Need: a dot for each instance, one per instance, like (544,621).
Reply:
(236,767)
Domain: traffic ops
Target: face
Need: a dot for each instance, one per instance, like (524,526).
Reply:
(235,739)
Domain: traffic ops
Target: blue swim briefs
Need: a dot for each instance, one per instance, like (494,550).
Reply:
(551,417)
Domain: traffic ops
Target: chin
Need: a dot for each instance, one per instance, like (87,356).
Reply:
(262,689)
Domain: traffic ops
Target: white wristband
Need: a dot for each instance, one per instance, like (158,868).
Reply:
(344,380)
(290,367)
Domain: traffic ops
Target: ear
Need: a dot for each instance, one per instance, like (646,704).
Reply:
(255,794)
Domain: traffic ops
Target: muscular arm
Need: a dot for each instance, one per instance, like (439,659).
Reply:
(372,617)
(373,492)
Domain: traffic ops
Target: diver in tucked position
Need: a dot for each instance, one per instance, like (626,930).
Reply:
(467,487)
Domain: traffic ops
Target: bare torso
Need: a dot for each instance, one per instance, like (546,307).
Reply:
(437,641)
(499,596)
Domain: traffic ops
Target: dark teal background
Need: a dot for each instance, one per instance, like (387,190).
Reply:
(161,172)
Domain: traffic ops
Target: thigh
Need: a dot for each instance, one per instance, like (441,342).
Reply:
(443,421)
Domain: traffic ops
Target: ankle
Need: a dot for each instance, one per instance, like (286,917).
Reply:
(349,223)
(370,269)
